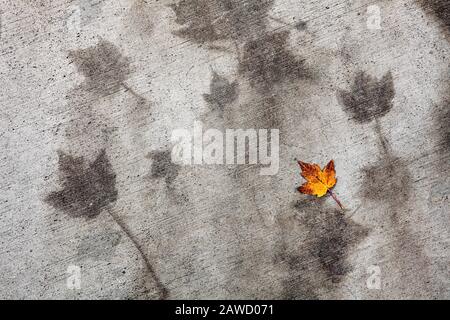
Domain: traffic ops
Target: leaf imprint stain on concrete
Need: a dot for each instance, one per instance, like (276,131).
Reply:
(86,188)
(222,93)
(163,166)
(267,61)
(105,69)
(332,235)
(369,98)
(321,259)
(207,21)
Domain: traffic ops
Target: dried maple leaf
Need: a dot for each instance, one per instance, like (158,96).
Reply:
(318,181)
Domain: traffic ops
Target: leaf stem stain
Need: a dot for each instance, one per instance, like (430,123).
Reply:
(163,292)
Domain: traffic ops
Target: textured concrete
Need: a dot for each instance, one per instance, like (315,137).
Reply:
(92,90)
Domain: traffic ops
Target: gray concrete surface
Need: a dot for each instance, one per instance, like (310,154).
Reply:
(92,90)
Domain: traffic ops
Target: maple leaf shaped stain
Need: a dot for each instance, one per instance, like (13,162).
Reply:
(222,92)
(86,189)
(267,61)
(369,98)
(207,21)
(197,18)
(318,181)
(163,167)
(104,67)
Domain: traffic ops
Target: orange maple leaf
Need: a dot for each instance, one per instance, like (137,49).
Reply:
(318,181)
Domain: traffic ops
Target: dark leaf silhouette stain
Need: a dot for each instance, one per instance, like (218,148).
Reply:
(369,98)
(206,21)
(222,93)
(105,69)
(89,189)
(199,20)
(267,61)
(163,167)
(321,259)
(86,189)
(332,235)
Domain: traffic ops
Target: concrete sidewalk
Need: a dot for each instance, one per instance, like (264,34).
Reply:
(93,207)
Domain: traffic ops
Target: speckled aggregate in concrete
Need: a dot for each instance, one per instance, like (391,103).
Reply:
(91,92)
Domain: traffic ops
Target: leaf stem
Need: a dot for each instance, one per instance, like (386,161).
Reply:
(384,142)
(137,96)
(335,199)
